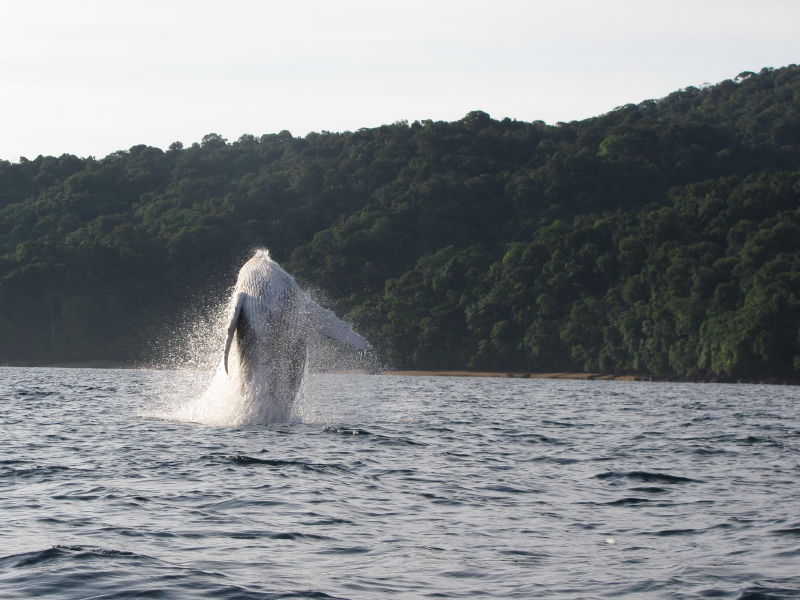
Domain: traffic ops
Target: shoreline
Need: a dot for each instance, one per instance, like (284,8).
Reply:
(118,364)
(565,375)
(513,375)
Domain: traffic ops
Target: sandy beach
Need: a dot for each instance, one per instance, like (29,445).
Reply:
(585,376)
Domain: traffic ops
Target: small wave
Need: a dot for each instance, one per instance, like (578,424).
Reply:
(563,424)
(346,431)
(752,439)
(295,536)
(767,593)
(709,451)
(521,556)
(271,535)
(556,459)
(627,502)
(32,471)
(331,521)
(57,552)
(237,503)
(385,472)
(463,574)
(241,459)
(671,532)
(646,477)
(27,394)
(398,441)
(523,553)
(507,489)
(127,575)
(343,550)
(535,438)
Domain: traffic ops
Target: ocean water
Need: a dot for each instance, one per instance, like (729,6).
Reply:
(399,487)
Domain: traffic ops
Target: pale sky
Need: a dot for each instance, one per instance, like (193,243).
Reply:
(92,77)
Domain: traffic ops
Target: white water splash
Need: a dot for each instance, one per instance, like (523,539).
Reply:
(229,400)
(232,400)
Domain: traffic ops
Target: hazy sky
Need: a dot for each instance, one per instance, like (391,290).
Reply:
(89,78)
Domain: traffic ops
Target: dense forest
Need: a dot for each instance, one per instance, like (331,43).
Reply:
(661,238)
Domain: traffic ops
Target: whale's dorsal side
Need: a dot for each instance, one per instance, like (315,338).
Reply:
(237,313)
(328,324)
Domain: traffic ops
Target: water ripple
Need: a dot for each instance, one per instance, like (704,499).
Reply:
(399,487)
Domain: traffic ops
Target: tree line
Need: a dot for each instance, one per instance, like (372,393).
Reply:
(660,238)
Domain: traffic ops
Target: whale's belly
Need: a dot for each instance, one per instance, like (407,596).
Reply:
(272,351)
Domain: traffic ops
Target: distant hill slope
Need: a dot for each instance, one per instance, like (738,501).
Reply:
(658,238)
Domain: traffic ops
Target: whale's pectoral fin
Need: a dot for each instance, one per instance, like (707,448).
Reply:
(237,313)
(328,324)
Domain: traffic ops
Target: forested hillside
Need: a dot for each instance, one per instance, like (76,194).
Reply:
(661,238)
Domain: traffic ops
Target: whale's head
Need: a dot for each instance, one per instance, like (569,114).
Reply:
(270,287)
(270,309)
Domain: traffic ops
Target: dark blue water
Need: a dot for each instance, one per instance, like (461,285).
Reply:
(402,487)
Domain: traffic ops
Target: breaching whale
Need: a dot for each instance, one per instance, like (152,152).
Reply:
(267,341)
